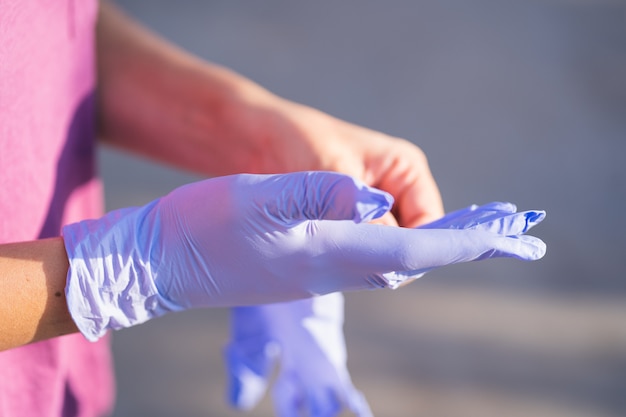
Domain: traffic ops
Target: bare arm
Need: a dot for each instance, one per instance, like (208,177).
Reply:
(32,285)
(162,102)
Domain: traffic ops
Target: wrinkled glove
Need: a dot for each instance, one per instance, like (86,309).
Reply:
(496,217)
(251,239)
(306,336)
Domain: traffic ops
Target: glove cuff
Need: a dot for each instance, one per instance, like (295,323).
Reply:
(109,283)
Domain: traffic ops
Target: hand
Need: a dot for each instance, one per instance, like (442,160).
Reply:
(160,101)
(306,338)
(302,138)
(296,138)
(251,239)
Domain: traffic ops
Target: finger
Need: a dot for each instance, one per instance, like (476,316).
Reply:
(287,397)
(323,402)
(513,224)
(533,249)
(401,169)
(246,388)
(322,195)
(418,200)
(498,222)
(359,255)
(499,206)
(470,216)
(465,218)
(357,403)
(419,203)
(387,219)
(249,358)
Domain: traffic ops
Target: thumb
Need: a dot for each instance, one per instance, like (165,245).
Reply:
(318,195)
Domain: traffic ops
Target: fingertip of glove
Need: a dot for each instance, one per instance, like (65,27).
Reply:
(536,248)
(541,249)
(372,204)
(369,202)
(358,405)
(533,218)
(245,389)
(320,195)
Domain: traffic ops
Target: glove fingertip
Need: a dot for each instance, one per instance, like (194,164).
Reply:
(287,397)
(324,404)
(319,195)
(245,389)
(536,248)
(373,205)
(358,405)
(535,216)
(529,219)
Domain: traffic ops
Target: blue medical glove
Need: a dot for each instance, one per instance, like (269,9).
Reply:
(252,239)
(306,336)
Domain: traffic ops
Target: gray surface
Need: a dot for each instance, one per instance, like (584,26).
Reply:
(522,101)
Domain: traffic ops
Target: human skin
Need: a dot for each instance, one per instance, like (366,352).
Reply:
(32,289)
(161,102)
(158,100)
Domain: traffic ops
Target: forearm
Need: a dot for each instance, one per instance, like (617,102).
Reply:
(160,101)
(157,100)
(32,287)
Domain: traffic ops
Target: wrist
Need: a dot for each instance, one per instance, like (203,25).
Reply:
(110,281)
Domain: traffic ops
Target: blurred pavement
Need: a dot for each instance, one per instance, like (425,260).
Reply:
(521,101)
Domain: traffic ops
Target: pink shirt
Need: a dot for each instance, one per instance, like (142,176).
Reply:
(47,179)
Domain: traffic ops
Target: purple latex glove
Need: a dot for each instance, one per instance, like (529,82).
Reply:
(306,336)
(252,239)
(495,217)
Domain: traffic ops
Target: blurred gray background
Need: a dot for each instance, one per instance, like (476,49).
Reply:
(521,101)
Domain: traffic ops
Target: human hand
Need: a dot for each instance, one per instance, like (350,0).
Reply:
(297,137)
(306,338)
(252,239)
(208,119)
